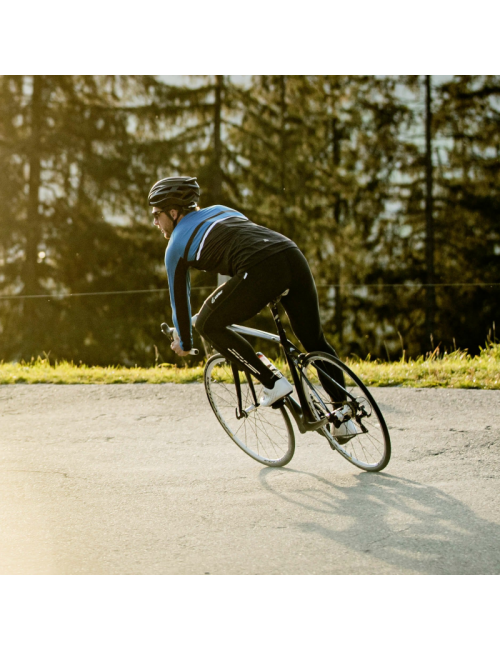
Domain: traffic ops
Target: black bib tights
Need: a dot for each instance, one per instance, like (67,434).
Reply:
(247,293)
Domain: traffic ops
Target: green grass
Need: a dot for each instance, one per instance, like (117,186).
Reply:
(449,370)
(64,372)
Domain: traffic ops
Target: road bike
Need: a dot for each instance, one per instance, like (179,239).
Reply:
(318,404)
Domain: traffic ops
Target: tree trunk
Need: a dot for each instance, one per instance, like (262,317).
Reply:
(217,157)
(338,316)
(430,292)
(31,281)
(217,164)
(282,81)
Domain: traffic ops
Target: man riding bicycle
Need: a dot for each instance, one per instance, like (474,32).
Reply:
(262,263)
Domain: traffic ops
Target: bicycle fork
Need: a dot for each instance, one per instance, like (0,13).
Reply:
(240,411)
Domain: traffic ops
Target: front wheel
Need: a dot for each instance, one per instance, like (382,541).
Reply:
(356,428)
(264,433)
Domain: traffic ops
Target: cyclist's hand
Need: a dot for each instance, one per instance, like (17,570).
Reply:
(176,347)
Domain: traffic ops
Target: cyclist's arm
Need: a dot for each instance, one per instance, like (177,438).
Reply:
(179,284)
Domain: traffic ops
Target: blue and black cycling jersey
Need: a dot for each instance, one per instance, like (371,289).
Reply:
(217,239)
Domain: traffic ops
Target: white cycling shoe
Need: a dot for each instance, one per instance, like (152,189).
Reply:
(281,389)
(346,431)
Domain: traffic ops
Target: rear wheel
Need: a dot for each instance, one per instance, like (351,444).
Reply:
(357,429)
(264,433)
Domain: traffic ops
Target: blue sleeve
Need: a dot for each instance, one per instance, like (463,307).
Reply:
(179,283)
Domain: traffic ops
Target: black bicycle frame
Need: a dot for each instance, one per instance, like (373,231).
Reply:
(306,421)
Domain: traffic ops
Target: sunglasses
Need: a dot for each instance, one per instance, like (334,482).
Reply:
(156,215)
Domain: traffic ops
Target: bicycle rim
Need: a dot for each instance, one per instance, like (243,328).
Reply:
(370,448)
(266,434)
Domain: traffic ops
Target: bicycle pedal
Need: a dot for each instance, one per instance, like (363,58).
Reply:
(278,404)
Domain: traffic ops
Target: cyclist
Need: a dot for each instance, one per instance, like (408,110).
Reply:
(263,265)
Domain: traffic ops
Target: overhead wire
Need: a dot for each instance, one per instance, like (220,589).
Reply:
(51,296)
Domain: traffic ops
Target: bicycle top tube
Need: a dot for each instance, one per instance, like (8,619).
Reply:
(250,331)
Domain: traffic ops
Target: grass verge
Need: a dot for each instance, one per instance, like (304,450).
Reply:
(454,370)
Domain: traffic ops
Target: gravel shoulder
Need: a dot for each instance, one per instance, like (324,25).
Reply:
(141,479)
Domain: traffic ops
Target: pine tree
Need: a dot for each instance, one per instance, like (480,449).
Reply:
(469,121)
(463,204)
(71,138)
(361,127)
(374,188)
(332,143)
(265,151)
(411,239)
(194,121)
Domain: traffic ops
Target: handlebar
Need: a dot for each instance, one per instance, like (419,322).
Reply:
(171,333)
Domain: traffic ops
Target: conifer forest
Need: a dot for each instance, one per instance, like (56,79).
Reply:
(389,185)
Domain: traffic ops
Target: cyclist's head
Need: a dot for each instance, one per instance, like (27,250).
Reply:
(176,192)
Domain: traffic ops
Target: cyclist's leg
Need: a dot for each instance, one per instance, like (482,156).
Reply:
(301,305)
(239,299)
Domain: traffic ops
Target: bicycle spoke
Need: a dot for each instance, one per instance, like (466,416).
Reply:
(368,449)
(265,434)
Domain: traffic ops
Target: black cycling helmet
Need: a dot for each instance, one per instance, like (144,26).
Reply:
(180,191)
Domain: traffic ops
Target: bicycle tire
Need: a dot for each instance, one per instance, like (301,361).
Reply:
(265,434)
(369,450)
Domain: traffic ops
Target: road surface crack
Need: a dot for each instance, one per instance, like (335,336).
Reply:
(37,471)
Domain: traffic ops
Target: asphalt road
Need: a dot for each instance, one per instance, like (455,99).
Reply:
(141,479)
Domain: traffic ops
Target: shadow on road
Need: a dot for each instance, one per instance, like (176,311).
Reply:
(409,525)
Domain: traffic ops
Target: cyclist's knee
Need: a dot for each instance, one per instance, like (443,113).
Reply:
(204,323)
